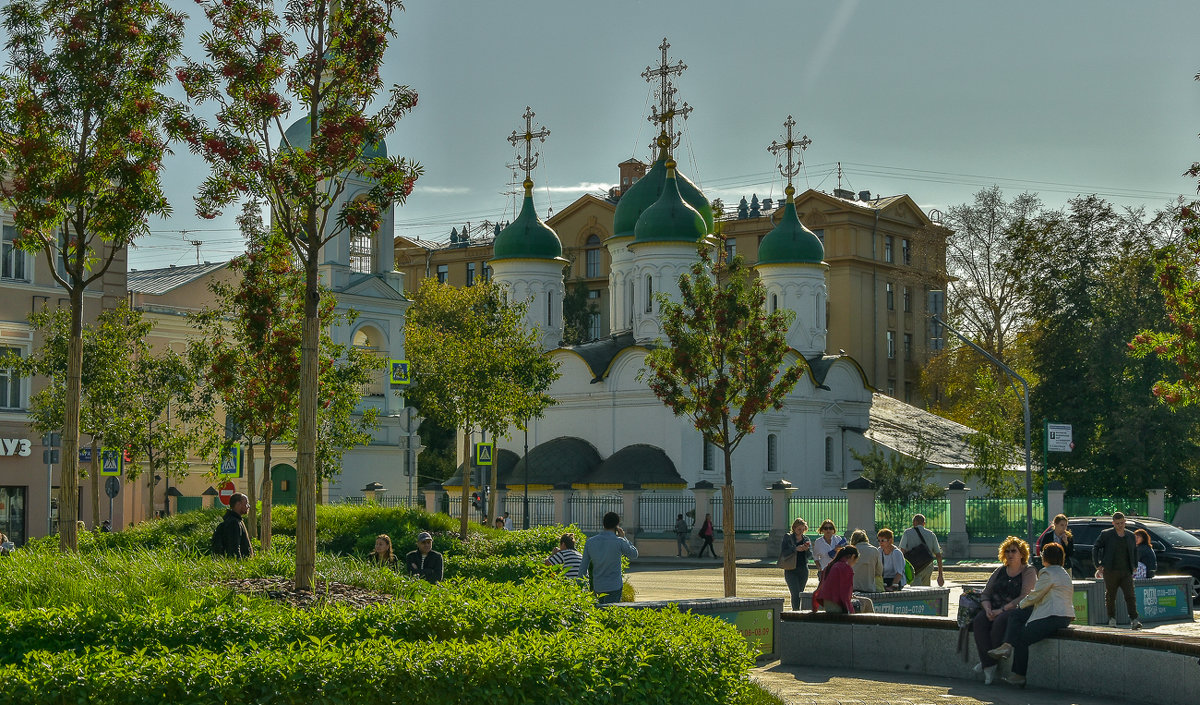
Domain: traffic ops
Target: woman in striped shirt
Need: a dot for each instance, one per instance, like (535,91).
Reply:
(566,555)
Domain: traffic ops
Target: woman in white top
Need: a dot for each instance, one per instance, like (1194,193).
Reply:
(893,560)
(1043,612)
(826,547)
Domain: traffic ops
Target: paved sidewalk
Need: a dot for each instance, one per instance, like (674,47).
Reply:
(810,686)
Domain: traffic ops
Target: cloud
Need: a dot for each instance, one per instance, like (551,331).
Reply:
(442,190)
(582,187)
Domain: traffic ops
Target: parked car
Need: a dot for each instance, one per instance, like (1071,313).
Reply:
(1177,551)
(1194,532)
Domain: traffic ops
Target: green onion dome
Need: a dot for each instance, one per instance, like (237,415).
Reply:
(643,194)
(790,242)
(671,218)
(527,237)
(298,137)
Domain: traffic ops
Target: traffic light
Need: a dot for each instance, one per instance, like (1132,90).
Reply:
(477,501)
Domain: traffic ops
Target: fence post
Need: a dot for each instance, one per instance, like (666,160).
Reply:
(704,494)
(562,508)
(781,497)
(860,506)
(1156,501)
(1055,492)
(433,496)
(372,491)
(958,543)
(631,516)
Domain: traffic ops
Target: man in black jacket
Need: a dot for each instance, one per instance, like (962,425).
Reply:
(1115,557)
(425,562)
(231,538)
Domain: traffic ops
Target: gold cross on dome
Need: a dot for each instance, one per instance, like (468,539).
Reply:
(667,110)
(530,159)
(791,145)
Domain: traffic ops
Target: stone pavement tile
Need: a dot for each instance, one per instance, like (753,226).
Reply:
(813,686)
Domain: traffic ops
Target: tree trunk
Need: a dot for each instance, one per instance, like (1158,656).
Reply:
(268,489)
(251,491)
(306,441)
(94,474)
(68,493)
(466,483)
(728,532)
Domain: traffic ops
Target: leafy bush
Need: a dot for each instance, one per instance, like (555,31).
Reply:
(639,656)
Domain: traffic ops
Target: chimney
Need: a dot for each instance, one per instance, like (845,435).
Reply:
(864,195)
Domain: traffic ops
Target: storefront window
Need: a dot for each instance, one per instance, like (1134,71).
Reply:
(12,513)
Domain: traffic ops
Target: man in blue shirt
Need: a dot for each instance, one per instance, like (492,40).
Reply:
(602,559)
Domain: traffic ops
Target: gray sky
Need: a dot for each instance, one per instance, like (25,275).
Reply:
(932,99)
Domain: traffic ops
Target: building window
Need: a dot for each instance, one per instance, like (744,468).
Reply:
(891,388)
(772,453)
(442,272)
(10,384)
(12,513)
(774,303)
(908,353)
(891,344)
(888,256)
(470,274)
(361,252)
(14,259)
(594,326)
(549,308)
(709,456)
(593,257)
(907,300)
(905,252)
(730,249)
(908,393)
(890,292)
(487,272)
(594,294)
(631,304)
(649,293)
(828,453)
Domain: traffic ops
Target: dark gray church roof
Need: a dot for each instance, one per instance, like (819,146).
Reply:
(599,354)
(897,425)
(559,462)
(505,460)
(160,281)
(638,465)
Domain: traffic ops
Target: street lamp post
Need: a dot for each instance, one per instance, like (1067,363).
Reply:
(1029,535)
(525,513)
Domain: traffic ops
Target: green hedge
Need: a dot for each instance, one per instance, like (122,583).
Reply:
(457,610)
(635,656)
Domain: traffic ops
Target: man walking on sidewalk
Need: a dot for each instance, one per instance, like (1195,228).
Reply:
(1115,557)
(602,559)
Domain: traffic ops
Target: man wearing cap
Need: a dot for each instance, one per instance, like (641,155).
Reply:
(425,562)
(602,559)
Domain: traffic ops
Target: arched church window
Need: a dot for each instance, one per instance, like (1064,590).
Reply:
(709,448)
(362,249)
(649,293)
(774,303)
(828,454)
(592,257)
(549,308)
(370,340)
(772,452)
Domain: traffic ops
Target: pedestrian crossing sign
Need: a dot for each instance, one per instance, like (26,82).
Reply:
(484,453)
(398,371)
(112,462)
(231,461)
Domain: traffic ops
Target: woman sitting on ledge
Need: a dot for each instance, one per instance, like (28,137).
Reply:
(835,592)
(1043,612)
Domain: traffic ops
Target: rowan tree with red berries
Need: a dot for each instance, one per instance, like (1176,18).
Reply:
(724,362)
(1178,272)
(319,60)
(81,145)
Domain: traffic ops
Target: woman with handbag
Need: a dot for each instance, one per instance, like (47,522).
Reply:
(706,533)
(1001,597)
(793,559)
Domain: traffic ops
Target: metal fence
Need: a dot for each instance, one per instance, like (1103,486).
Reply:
(541,509)
(1105,506)
(995,519)
(750,514)
(815,510)
(389,501)
(587,512)
(897,516)
(657,512)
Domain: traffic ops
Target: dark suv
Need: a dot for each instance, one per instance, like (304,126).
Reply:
(1177,551)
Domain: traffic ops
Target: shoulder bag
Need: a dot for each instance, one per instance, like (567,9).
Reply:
(920,556)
